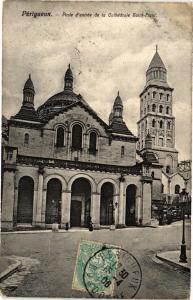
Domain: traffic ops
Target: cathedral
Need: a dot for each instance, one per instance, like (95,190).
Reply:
(63,164)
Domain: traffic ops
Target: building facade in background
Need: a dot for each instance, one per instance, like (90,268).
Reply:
(157,120)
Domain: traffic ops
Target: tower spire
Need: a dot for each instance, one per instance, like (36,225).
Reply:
(28,93)
(68,79)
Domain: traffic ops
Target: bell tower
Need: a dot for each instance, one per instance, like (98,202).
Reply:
(156,115)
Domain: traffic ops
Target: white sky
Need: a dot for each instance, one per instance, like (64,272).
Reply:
(106,54)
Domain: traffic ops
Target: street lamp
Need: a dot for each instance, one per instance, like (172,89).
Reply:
(183,200)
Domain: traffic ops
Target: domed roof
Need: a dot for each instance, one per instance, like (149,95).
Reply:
(118,101)
(69,73)
(29,84)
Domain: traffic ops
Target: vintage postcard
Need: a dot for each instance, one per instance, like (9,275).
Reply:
(96,149)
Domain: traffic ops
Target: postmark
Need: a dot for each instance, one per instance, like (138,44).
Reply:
(112,272)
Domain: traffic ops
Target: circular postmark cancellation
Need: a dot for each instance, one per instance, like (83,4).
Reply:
(112,272)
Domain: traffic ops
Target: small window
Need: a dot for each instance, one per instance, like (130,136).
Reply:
(168,97)
(169,125)
(144,111)
(26,139)
(154,94)
(167,110)
(92,142)
(60,137)
(152,175)
(161,124)
(177,189)
(168,169)
(153,107)
(148,109)
(160,96)
(122,151)
(161,109)
(162,188)
(153,123)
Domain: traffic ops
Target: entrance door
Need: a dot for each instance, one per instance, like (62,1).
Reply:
(106,207)
(75,213)
(53,201)
(25,200)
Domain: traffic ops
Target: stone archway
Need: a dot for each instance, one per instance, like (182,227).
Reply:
(80,203)
(130,219)
(106,205)
(53,201)
(25,200)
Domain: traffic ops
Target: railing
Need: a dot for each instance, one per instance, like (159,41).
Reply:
(69,164)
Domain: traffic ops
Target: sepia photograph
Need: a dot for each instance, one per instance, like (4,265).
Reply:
(96,149)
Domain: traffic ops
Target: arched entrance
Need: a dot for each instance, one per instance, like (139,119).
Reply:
(25,200)
(106,207)
(53,201)
(80,203)
(130,205)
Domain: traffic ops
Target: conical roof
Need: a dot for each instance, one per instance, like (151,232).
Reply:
(69,73)
(29,84)
(156,62)
(118,100)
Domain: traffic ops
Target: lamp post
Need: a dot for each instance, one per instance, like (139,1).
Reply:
(183,198)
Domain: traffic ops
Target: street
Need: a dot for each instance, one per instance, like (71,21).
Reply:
(56,256)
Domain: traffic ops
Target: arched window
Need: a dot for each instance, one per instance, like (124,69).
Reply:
(148,108)
(152,174)
(60,137)
(167,110)
(153,107)
(77,137)
(92,142)
(122,151)
(162,188)
(26,139)
(177,189)
(168,97)
(161,109)
(153,123)
(168,125)
(161,124)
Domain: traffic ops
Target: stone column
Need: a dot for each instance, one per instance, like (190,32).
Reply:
(65,211)
(95,210)
(139,209)
(8,199)
(121,205)
(38,219)
(146,185)
(43,210)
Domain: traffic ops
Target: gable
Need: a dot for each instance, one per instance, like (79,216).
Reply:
(80,114)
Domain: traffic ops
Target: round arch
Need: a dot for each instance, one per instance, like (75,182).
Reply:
(82,175)
(21,175)
(77,122)
(115,185)
(55,176)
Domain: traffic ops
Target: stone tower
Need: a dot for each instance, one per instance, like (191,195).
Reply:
(156,117)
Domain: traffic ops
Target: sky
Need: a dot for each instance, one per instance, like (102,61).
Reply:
(106,54)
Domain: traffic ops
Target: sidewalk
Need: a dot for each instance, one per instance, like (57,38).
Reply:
(172,258)
(8,266)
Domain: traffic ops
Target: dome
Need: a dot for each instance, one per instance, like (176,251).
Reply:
(29,84)
(118,101)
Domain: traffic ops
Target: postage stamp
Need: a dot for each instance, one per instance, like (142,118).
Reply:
(106,271)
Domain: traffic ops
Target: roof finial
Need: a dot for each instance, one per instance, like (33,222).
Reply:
(118,93)
(29,75)
(69,66)
(156,47)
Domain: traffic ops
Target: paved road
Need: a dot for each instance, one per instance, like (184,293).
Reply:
(56,253)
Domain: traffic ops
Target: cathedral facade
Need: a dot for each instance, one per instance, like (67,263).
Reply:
(63,164)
